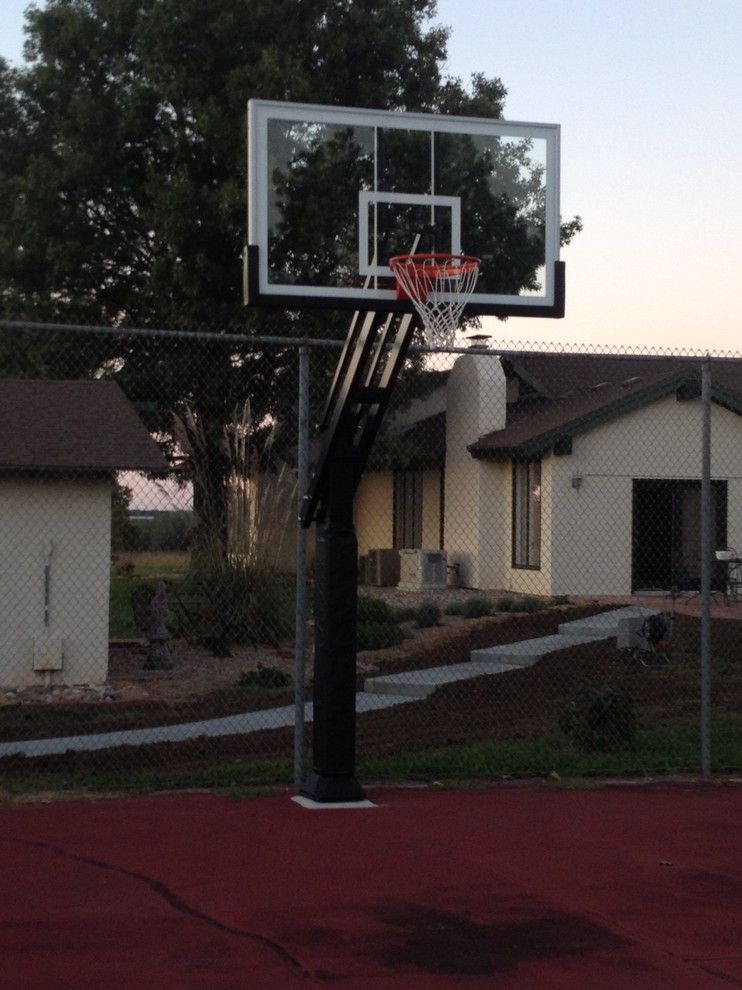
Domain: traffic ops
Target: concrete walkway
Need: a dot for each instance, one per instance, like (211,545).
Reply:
(386,691)
(495,659)
(228,725)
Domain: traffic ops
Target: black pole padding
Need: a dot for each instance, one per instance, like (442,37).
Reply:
(336,595)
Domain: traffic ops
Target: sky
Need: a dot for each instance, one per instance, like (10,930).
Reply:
(647,93)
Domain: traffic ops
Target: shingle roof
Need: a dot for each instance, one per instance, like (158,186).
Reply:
(577,392)
(72,426)
(556,374)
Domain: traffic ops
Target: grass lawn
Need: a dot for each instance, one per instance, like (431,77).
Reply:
(219,767)
(653,751)
(155,565)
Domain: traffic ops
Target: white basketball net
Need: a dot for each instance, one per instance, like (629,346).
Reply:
(440,287)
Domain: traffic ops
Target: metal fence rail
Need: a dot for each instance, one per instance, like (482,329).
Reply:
(550,560)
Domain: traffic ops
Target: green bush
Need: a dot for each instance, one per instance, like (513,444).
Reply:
(379,635)
(264,678)
(405,614)
(375,610)
(426,615)
(506,605)
(454,608)
(530,605)
(476,608)
(236,602)
(599,719)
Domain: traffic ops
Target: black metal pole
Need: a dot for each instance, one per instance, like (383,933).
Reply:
(336,593)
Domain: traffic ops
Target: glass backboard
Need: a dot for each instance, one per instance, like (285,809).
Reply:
(334,192)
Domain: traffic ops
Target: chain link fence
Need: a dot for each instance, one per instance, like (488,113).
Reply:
(549,580)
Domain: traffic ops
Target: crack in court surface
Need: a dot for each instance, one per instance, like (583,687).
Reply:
(172,899)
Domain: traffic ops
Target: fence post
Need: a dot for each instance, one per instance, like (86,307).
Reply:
(706,556)
(301,567)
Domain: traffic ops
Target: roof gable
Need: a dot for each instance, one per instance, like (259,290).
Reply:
(73,426)
(537,426)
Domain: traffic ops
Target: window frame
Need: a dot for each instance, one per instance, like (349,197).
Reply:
(408,485)
(530,465)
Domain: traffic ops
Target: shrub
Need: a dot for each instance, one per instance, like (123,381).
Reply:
(375,610)
(454,608)
(264,678)
(426,615)
(234,593)
(475,608)
(405,614)
(599,719)
(505,605)
(530,605)
(379,635)
(236,602)
(560,600)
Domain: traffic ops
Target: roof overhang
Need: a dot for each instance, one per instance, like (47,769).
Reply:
(684,385)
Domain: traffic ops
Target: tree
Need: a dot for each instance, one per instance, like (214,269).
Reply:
(122,173)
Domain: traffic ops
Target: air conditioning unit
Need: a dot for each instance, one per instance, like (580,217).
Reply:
(421,569)
(382,568)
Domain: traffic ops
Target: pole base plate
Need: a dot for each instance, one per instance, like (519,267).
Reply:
(336,790)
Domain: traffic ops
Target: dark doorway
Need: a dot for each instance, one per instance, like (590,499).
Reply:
(666,538)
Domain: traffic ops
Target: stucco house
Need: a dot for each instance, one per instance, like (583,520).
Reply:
(60,444)
(561,474)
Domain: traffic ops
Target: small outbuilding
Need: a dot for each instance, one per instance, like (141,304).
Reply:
(61,443)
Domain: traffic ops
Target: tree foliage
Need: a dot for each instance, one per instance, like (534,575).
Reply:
(122,177)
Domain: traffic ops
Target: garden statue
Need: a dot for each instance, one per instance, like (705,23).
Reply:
(158,655)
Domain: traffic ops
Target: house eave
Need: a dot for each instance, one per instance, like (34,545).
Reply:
(82,469)
(541,444)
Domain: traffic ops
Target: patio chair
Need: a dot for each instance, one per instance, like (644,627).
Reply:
(731,560)
(734,579)
(648,638)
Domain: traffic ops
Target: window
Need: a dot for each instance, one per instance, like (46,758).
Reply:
(527,514)
(408,509)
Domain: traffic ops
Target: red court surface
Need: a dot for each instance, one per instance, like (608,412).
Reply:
(518,887)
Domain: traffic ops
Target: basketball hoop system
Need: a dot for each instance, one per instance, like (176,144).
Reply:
(439,286)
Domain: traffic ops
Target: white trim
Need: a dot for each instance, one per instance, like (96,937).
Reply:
(320,114)
(366,198)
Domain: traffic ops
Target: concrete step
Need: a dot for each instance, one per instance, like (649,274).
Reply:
(495,659)
(421,683)
(605,625)
(528,651)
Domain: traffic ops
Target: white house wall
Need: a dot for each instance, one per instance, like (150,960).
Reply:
(374,511)
(592,524)
(431,521)
(475,402)
(74,518)
(494,509)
